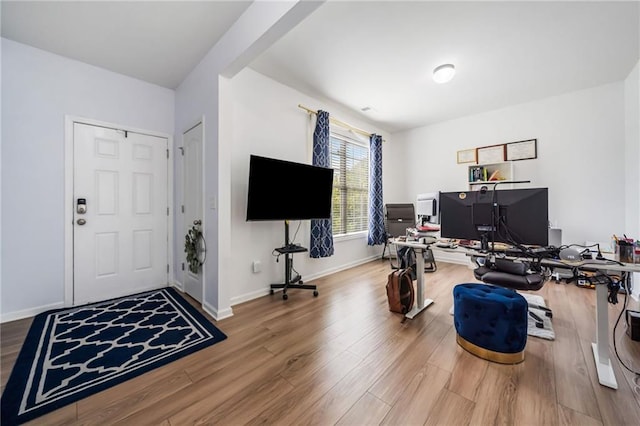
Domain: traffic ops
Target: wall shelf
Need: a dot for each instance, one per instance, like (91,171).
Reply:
(488,174)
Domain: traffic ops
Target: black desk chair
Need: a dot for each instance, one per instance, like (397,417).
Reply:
(397,218)
(515,276)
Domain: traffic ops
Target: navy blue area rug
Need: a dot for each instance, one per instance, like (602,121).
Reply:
(72,353)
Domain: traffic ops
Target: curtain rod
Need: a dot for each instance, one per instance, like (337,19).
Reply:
(338,122)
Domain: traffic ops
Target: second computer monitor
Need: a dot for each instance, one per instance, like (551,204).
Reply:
(428,208)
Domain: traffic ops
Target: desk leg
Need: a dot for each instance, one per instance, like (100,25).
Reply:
(600,348)
(421,302)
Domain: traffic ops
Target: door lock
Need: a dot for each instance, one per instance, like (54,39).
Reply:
(81,221)
(81,206)
(197,222)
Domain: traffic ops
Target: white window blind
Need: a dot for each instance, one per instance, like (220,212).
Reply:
(350,203)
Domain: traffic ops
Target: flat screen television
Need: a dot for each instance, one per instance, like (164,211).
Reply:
(520,216)
(285,190)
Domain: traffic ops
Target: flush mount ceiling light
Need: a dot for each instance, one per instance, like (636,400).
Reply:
(443,73)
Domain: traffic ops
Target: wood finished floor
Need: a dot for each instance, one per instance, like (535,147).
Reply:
(342,358)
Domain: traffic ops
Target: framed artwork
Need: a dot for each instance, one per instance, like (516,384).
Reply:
(490,154)
(522,150)
(467,156)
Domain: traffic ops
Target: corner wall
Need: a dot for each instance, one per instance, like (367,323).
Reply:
(632,165)
(272,125)
(581,149)
(38,90)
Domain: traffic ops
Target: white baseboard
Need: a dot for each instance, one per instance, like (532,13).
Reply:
(341,268)
(217,315)
(249,296)
(263,292)
(31,312)
(177,284)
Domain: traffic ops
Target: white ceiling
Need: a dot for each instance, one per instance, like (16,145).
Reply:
(155,41)
(361,54)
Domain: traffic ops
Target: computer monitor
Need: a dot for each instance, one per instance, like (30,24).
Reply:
(428,208)
(511,216)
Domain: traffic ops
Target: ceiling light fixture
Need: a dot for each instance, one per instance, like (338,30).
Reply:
(444,73)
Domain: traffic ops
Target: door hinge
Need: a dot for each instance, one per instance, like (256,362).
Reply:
(167,268)
(167,153)
(182,208)
(183,266)
(181,150)
(167,211)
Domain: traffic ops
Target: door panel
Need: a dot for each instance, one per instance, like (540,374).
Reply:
(192,145)
(122,246)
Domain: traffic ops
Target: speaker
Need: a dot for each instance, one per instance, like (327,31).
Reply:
(633,330)
(570,253)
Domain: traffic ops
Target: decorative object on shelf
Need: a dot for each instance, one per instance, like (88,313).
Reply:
(495,175)
(467,156)
(193,249)
(490,154)
(522,150)
(483,174)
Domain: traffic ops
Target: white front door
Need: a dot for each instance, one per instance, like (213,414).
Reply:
(192,165)
(120,244)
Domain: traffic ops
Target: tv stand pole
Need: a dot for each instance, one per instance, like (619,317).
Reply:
(296,282)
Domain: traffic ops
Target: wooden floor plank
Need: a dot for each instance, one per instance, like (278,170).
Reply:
(417,401)
(369,410)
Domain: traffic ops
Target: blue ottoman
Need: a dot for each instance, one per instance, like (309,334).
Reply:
(491,322)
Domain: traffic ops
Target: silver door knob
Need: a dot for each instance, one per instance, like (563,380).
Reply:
(81,221)
(197,222)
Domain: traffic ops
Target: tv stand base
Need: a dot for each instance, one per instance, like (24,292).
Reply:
(296,283)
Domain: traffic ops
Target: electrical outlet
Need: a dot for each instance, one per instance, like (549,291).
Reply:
(257,266)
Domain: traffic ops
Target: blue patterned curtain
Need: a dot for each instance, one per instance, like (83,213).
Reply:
(321,229)
(376,208)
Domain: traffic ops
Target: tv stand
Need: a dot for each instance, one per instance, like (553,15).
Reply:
(291,282)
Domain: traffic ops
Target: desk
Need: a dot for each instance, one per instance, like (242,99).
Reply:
(600,347)
(421,303)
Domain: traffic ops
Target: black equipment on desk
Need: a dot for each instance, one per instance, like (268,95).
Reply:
(512,216)
(515,275)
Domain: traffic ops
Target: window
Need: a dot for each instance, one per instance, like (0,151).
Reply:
(350,203)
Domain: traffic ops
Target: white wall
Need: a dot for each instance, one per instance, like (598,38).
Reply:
(632,155)
(272,125)
(199,96)
(581,156)
(38,90)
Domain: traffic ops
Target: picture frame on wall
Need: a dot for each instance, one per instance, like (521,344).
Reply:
(522,150)
(467,156)
(490,154)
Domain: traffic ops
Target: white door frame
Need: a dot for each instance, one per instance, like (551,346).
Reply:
(203,227)
(68,196)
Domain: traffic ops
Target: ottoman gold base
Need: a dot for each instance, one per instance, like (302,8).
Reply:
(493,356)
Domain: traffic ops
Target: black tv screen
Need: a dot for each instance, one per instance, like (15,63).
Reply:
(284,190)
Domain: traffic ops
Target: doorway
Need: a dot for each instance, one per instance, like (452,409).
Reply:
(192,150)
(120,215)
